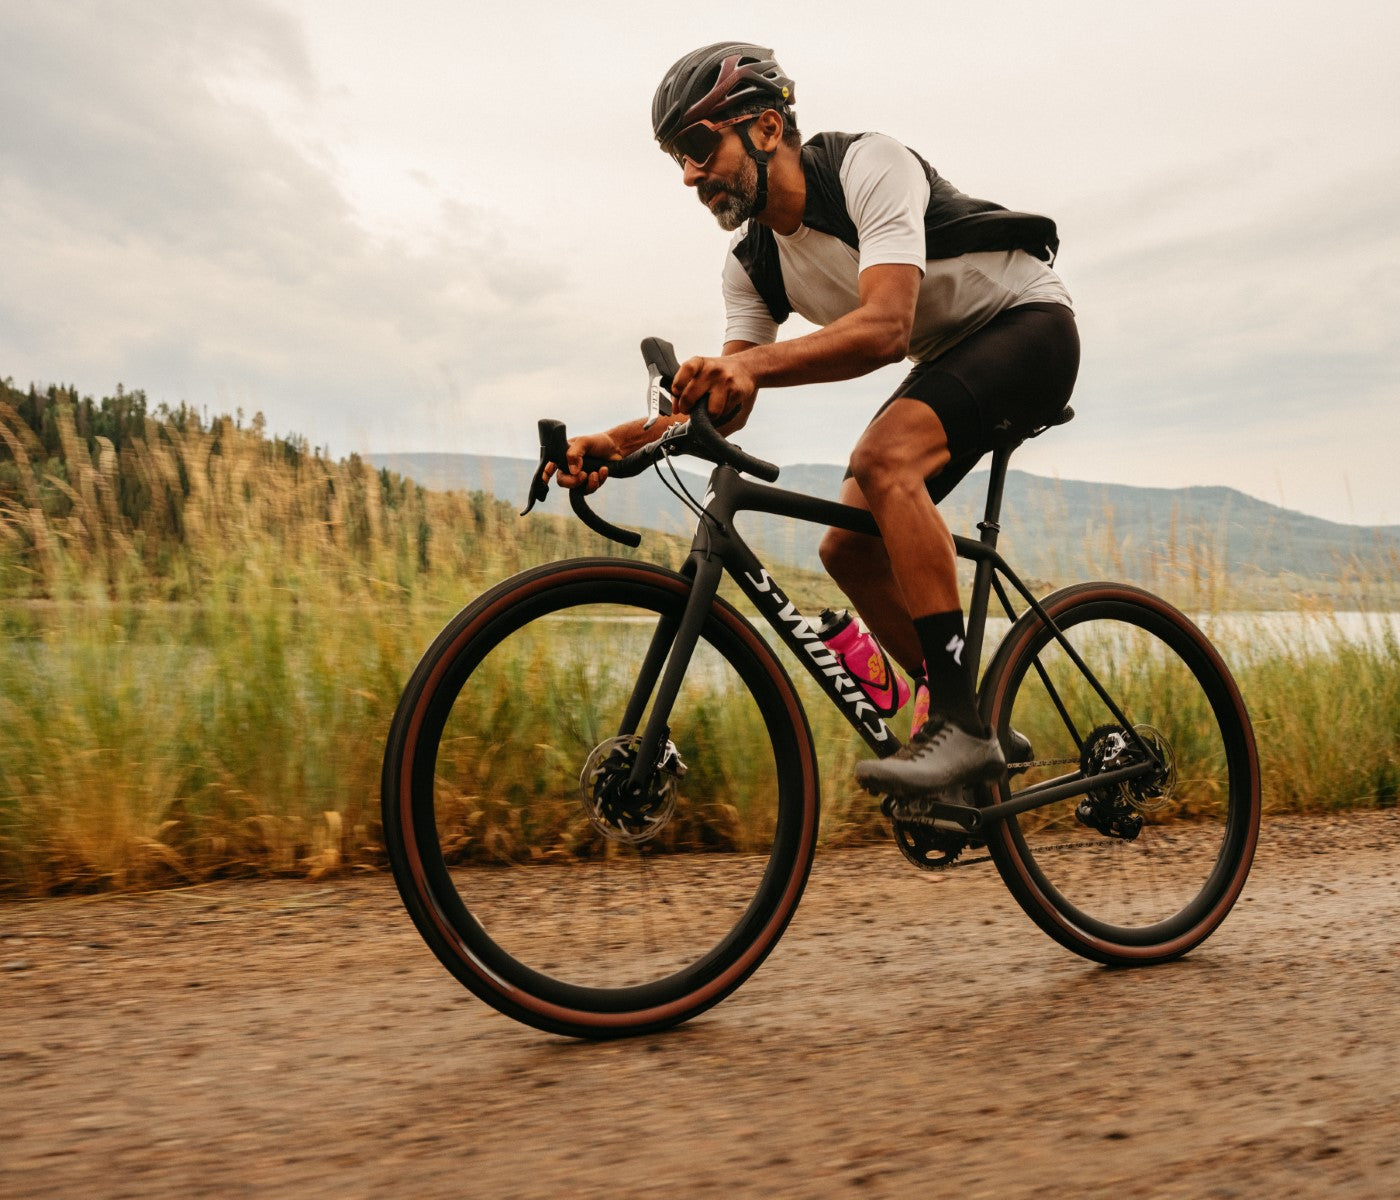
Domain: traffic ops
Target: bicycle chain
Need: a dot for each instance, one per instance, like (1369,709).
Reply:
(986,858)
(915,819)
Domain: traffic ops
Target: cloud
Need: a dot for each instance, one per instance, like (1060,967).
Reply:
(1272,299)
(155,219)
(1237,313)
(323,210)
(120,134)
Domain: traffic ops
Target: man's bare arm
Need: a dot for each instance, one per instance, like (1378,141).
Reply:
(870,336)
(622,440)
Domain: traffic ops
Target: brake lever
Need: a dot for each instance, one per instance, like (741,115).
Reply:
(554,448)
(659,401)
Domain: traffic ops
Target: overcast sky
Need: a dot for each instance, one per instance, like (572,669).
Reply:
(420,226)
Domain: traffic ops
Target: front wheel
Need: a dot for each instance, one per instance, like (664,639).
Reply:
(535,873)
(1144,870)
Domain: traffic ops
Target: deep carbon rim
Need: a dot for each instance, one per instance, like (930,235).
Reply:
(451,930)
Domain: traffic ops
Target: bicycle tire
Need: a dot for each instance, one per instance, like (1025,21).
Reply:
(1155,895)
(522,924)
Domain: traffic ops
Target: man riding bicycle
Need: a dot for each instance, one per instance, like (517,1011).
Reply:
(859,235)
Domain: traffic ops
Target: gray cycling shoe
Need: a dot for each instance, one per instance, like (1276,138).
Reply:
(940,756)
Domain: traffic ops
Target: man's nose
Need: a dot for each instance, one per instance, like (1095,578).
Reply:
(692,174)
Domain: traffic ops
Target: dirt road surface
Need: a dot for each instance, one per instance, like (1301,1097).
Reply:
(912,1035)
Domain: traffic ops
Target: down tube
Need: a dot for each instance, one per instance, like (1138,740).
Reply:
(801,638)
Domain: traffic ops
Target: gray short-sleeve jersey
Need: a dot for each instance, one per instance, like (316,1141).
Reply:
(886,192)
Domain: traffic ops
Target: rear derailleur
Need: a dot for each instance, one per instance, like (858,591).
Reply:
(1116,810)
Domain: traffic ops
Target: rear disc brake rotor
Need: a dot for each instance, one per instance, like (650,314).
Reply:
(1116,810)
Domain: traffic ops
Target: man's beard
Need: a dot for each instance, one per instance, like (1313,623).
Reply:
(740,196)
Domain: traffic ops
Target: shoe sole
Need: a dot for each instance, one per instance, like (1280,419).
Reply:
(878,787)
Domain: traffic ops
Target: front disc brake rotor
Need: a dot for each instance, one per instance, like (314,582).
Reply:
(614,807)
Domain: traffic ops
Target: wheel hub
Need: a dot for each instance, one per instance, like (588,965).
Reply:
(619,810)
(1116,810)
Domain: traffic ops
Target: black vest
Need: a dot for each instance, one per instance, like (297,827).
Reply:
(954,224)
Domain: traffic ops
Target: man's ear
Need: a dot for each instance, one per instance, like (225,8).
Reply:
(767,131)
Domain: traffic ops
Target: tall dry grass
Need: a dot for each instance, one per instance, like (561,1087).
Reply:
(204,691)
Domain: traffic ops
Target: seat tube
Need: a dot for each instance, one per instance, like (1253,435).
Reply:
(989,528)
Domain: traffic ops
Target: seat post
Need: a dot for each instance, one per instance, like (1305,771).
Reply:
(990,525)
(990,529)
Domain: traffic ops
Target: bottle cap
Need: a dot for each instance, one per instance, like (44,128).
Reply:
(832,622)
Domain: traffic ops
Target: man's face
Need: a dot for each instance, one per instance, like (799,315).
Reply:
(728,184)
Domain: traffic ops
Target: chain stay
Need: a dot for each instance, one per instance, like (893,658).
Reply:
(986,858)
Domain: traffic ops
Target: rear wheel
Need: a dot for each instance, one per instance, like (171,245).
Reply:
(1141,871)
(538,878)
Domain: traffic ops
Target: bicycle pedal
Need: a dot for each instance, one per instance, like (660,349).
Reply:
(951,810)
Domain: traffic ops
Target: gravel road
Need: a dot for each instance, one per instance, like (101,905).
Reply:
(912,1035)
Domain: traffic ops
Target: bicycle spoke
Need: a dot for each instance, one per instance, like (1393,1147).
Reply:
(581,881)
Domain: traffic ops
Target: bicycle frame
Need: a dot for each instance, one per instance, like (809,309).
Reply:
(718,549)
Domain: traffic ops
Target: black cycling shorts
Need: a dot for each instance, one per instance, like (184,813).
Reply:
(997,385)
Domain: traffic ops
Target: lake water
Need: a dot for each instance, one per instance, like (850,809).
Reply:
(1241,637)
(1245,636)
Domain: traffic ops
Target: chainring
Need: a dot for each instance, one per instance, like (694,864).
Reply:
(929,847)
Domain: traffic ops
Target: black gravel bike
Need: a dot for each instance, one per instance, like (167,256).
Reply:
(600,792)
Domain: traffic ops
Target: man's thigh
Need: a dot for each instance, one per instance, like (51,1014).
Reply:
(907,436)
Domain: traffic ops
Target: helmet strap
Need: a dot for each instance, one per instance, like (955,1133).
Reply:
(761,158)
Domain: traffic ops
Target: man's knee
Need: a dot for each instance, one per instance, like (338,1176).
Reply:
(844,553)
(880,467)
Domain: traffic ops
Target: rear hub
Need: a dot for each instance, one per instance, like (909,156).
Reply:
(1116,810)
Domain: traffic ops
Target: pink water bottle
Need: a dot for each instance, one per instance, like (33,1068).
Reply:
(864,660)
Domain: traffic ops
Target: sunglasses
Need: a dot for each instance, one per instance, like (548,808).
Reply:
(697,143)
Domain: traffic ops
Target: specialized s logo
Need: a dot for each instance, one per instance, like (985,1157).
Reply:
(955,648)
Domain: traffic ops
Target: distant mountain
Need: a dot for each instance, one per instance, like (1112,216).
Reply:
(1052,529)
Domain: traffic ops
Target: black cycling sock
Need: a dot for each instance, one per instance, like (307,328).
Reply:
(942,636)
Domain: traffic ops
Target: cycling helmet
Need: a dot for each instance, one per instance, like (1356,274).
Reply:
(708,81)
